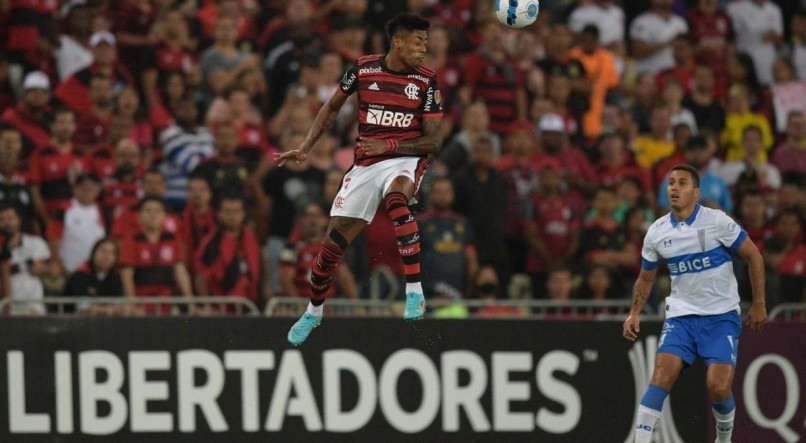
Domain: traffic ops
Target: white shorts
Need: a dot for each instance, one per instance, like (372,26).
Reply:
(363,187)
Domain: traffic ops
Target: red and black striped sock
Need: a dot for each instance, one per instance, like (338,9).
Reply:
(323,271)
(407,233)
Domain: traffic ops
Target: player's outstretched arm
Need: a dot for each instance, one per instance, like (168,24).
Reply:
(758,311)
(640,292)
(323,121)
(428,143)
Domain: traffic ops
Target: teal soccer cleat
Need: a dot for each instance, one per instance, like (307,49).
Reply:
(415,306)
(302,328)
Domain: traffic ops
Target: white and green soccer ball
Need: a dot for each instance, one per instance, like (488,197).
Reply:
(517,13)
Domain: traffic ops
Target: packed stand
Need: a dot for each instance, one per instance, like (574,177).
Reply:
(137,141)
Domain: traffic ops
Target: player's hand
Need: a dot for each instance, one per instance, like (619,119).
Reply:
(298,155)
(631,327)
(757,316)
(372,146)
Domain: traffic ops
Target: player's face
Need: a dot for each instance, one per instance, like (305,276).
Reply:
(412,47)
(681,190)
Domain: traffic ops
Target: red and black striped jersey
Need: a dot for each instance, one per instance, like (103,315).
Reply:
(153,263)
(391,105)
(52,170)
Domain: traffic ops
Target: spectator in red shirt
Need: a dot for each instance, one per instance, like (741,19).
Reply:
(711,27)
(124,188)
(127,222)
(176,45)
(30,115)
(74,92)
(152,263)
(685,64)
(492,76)
(198,217)
(790,156)
(616,163)
(93,122)
(753,217)
(55,166)
(228,260)
(553,231)
(580,174)
(792,264)
(297,258)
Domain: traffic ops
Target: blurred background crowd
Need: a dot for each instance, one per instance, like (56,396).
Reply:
(137,138)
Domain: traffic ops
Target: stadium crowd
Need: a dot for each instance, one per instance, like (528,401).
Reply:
(137,141)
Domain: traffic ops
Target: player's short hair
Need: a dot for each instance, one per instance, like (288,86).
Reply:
(695,175)
(406,22)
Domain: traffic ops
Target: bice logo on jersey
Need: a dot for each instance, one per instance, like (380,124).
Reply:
(389,118)
(696,264)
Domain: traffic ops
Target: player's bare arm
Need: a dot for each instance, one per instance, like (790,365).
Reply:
(324,120)
(640,292)
(758,311)
(428,143)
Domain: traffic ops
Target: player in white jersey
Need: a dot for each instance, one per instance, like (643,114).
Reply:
(702,312)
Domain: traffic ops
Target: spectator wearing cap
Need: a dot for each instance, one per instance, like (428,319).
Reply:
(223,62)
(490,75)
(520,181)
(652,35)
(790,155)
(708,112)
(759,30)
(480,196)
(14,189)
(227,262)
(652,147)
(72,236)
(31,114)
(55,166)
(752,168)
(714,193)
(581,176)
(552,231)
(739,116)
(74,92)
(185,145)
(475,124)
(600,68)
(449,256)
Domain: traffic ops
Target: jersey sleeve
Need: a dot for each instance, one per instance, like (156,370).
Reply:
(729,233)
(432,105)
(649,255)
(349,82)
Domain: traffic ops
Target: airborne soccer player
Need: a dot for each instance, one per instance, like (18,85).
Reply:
(399,114)
(702,312)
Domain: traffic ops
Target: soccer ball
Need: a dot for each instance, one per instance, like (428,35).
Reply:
(517,13)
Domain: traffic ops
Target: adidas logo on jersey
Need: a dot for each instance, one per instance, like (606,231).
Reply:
(389,118)
(374,87)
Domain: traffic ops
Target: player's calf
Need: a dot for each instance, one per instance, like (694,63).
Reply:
(408,244)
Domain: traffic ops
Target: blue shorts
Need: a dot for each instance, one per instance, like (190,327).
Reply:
(715,338)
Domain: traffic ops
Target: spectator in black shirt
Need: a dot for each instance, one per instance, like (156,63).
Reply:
(481,197)
(225,171)
(97,278)
(13,187)
(287,191)
(708,113)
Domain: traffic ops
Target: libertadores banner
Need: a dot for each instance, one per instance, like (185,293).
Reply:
(237,380)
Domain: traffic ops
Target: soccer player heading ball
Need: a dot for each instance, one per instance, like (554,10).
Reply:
(702,312)
(400,112)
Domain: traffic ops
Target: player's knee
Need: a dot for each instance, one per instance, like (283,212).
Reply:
(663,377)
(718,389)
